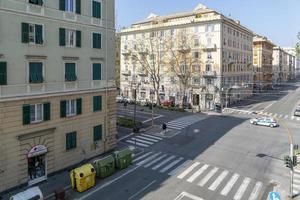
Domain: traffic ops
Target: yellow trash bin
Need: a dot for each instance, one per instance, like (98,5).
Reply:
(83,178)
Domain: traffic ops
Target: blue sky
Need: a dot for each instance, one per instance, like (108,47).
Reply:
(279,20)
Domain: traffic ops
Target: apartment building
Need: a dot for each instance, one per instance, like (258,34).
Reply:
(262,63)
(221,50)
(278,63)
(292,62)
(57,91)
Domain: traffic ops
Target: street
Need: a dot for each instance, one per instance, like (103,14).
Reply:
(214,157)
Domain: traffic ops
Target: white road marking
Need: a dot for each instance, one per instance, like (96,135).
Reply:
(230,184)
(151,136)
(137,143)
(208,176)
(197,173)
(143,156)
(162,163)
(190,196)
(296,186)
(297,171)
(188,170)
(179,123)
(148,120)
(286,116)
(166,168)
(145,138)
(275,115)
(298,118)
(155,160)
(296,175)
(142,141)
(148,159)
(292,117)
(255,191)
(269,105)
(142,190)
(239,194)
(126,136)
(281,115)
(176,128)
(179,168)
(218,181)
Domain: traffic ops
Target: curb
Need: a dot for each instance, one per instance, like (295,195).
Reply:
(52,195)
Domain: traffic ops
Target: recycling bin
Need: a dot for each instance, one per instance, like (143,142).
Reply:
(83,178)
(104,167)
(123,158)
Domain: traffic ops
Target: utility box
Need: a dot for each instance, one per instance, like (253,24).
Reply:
(83,178)
(104,167)
(123,158)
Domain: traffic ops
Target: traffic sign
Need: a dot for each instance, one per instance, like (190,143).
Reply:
(274,196)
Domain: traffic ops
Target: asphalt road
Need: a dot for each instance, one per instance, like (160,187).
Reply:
(220,157)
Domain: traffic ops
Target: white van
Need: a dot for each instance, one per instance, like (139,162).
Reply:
(33,193)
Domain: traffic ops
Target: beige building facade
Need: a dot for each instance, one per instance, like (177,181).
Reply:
(57,90)
(221,50)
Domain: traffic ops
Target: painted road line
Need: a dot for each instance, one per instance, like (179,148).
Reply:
(179,123)
(296,186)
(148,159)
(137,143)
(285,117)
(126,136)
(162,163)
(141,157)
(255,191)
(208,176)
(296,181)
(275,115)
(166,168)
(148,120)
(218,181)
(188,195)
(298,118)
(270,105)
(297,171)
(179,168)
(197,173)
(142,141)
(176,128)
(296,175)
(239,194)
(229,185)
(188,170)
(281,115)
(143,189)
(151,136)
(292,117)
(148,139)
(155,160)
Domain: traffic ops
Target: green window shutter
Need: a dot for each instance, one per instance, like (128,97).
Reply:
(78,6)
(25,33)
(99,10)
(47,111)
(26,114)
(97,40)
(79,106)
(63,109)
(3,73)
(96,9)
(97,103)
(36,72)
(38,34)
(71,140)
(70,72)
(96,71)
(62,37)
(40,2)
(97,133)
(78,38)
(62,5)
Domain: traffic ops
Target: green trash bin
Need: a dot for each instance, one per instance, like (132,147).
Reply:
(123,158)
(105,166)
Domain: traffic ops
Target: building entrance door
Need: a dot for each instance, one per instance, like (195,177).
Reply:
(37,164)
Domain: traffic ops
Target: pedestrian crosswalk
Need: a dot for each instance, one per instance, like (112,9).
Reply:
(227,184)
(255,113)
(184,122)
(143,140)
(296,181)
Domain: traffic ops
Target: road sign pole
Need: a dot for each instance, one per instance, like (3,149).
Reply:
(291,171)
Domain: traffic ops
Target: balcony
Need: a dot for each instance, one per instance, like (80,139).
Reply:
(143,51)
(210,47)
(142,72)
(184,49)
(231,61)
(209,74)
(126,72)
(126,52)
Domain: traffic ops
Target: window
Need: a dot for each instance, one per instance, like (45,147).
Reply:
(32,33)
(172,31)
(96,40)
(208,67)
(162,33)
(196,55)
(69,37)
(196,42)
(70,6)
(71,140)
(70,72)
(97,133)
(36,113)
(97,101)
(196,68)
(69,108)
(36,72)
(96,71)
(96,9)
(208,41)
(36,2)
(3,73)
(209,55)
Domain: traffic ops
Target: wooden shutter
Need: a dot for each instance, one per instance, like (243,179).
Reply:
(78,38)
(47,111)
(38,34)
(96,71)
(62,5)
(70,72)
(78,6)
(26,114)
(97,133)
(3,73)
(97,103)
(63,109)
(96,9)
(79,106)
(97,40)
(25,33)
(62,37)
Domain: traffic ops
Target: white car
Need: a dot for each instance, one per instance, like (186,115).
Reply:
(264,121)
(119,99)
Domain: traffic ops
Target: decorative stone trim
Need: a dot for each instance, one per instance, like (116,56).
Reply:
(70,58)
(37,57)
(34,134)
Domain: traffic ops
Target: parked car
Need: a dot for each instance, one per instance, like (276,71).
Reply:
(143,102)
(128,100)
(264,121)
(297,112)
(119,99)
(167,103)
(31,193)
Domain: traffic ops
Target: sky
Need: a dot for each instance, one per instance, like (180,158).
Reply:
(279,20)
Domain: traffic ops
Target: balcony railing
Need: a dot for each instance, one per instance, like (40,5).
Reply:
(209,74)
(210,47)
(126,52)
(142,72)
(126,72)
(143,51)
(184,49)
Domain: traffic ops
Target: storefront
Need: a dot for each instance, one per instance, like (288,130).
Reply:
(37,164)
